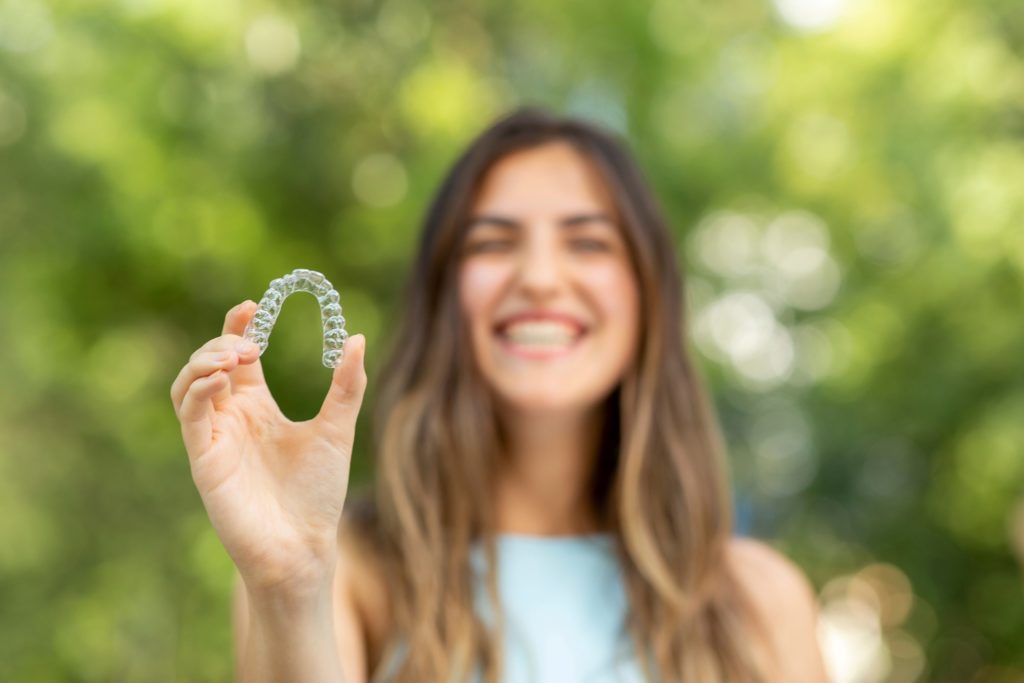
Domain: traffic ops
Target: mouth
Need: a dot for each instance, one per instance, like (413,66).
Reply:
(533,338)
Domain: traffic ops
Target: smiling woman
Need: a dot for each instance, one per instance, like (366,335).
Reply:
(547,285)
(551,501)
(540,390)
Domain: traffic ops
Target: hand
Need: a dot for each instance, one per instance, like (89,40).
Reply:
(273,489)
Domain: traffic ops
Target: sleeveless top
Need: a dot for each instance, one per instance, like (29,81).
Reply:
(565,607)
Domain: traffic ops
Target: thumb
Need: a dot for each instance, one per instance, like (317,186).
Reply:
(344,398)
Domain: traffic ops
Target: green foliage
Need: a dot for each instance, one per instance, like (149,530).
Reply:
(846,196)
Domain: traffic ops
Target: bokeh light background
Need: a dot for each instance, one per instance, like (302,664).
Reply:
(845,179)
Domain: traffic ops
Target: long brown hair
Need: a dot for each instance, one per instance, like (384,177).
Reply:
(660,485)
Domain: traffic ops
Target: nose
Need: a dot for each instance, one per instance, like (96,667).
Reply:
(541,268)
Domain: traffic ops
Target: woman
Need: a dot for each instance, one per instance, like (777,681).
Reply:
(550,499)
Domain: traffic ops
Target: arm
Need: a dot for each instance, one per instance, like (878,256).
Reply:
(274,491)
(785,601)
(286,638)
(320,640)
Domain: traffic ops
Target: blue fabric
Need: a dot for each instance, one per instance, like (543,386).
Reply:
(565,607)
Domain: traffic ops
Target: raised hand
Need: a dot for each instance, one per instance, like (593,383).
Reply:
(273,488)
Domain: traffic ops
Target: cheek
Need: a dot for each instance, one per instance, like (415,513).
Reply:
(480,286)
(616,294)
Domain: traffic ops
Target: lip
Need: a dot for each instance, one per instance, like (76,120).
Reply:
(541,314)
(538,354)
(537,314)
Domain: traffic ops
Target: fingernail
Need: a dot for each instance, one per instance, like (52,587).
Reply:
(245,346)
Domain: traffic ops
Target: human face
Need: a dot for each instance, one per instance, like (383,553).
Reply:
(546,284)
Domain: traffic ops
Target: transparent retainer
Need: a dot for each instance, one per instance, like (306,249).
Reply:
(301,280)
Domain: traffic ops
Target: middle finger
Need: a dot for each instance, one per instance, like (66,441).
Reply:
(200,365)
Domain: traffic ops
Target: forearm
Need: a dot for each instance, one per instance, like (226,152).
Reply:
(291,639)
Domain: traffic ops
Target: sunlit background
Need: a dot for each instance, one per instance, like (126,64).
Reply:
(845,179)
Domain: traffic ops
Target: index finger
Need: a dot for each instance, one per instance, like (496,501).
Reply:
(237,318)
(249,372)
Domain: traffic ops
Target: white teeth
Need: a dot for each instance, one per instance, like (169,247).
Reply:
(541,334)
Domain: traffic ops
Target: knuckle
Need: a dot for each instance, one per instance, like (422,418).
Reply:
(202,349)
(349,395)
(178,386)
(221,343)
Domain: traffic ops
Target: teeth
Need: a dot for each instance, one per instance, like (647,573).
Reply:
(541,334)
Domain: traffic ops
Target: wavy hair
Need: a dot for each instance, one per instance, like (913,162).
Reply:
(660,483)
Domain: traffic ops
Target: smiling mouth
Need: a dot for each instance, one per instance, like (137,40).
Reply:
(537,339)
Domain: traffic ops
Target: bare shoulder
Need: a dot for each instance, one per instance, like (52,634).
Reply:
(785,602)
(768,575)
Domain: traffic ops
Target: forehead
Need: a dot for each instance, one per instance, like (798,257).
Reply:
(553,178)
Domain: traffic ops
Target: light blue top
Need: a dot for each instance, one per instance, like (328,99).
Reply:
(565,607)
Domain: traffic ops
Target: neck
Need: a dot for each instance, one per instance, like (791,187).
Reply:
(544,476)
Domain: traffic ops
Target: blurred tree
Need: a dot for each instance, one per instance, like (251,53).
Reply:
(844,177)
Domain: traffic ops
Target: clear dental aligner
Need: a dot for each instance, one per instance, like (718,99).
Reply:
(301,280)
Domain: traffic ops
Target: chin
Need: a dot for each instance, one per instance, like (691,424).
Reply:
(546,403)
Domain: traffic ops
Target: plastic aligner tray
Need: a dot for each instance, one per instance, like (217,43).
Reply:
(301,280)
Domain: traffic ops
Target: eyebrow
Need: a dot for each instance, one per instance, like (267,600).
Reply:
(512,224)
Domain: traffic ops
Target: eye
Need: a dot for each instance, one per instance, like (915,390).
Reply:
(480,246)
(590,244)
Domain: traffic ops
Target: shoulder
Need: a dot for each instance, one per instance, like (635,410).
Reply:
(768,575)
(785,602)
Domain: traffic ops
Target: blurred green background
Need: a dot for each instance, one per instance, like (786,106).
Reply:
(845,179)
